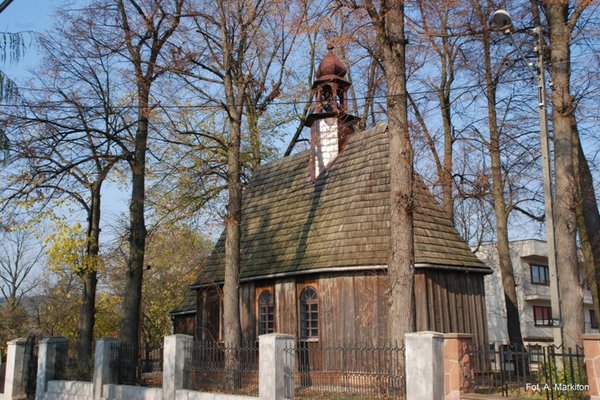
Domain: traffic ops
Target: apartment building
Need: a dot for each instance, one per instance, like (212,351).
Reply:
(532,278)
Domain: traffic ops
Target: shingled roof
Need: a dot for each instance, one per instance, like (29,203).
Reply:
(188,306)
(293,225)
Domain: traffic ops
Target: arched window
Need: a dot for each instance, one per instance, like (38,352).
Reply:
(327,99)
(266,312)
(309,313)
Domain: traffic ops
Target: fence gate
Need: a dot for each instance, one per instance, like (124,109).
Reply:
(31,363)
(545,372)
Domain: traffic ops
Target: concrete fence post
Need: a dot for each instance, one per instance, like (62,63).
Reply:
(177,356)
(591,353)
(457,364)
(52,356)
(15,369)
(424,365)
(276,366)
(106,356)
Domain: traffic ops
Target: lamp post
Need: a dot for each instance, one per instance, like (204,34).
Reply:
(502,20)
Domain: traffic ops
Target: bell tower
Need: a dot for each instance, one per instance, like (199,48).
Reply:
(330,124)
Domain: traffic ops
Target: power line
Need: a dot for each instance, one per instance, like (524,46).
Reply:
(62,105)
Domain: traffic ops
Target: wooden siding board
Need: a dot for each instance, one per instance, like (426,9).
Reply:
(473,310)
(328,318)
(430,303)
(347,310)
(457,302)
(451,295)
(441,306)
(421,302)
(382,309)
(286,307)
(481,310)
(247,312)
(461,312)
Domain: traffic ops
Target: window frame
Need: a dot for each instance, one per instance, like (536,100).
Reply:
(546,320)
(593,321)
(258,293)
(301,314)
(539,267)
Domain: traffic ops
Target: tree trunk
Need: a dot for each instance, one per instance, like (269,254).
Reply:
(443,92)
(588,224)
(563,111)
(143,51)
(254,133)
(400,285)
(89,278)
(502,243)
(232,329)
(500,207)
(370,95)
(132,296)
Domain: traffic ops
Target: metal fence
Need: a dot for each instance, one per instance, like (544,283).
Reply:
(78,362)
(545,372)
(142,367)
(216,368)
(347,372)
(30,367)
(2,372)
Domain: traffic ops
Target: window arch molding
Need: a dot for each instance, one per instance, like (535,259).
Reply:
(265,307)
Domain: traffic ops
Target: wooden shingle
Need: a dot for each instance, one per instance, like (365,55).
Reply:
(291,224)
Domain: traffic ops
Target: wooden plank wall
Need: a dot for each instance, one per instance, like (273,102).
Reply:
(353,309)
(247,312)
(184,324)
(450,301)
(286,307)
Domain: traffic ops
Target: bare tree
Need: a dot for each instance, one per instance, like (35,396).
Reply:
(20,253)
(501,208)
(438,21)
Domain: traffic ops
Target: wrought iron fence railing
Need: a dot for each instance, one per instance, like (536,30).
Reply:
(545,372)
(77,361)
(2,372)
(216,368)
(141,367)
(30,366)
(347,372)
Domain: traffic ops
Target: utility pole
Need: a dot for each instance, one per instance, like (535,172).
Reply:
(503,21)
(548,198)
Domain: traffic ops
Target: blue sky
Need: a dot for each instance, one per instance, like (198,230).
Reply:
(23,16)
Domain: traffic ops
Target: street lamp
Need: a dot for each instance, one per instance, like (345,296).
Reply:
(502,20)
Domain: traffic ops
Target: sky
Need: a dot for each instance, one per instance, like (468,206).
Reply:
(26,16)
(37,16)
